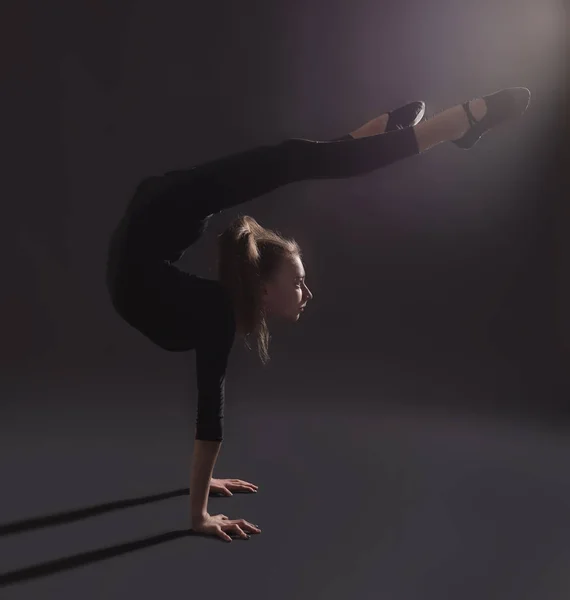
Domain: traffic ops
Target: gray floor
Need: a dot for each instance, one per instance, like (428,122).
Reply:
(383,504)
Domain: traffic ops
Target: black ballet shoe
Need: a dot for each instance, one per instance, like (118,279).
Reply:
(502,106)
(408,115)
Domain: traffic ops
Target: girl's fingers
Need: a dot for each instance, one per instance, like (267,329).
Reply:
(242,482)
(243,486)
(241,532)
(247,525)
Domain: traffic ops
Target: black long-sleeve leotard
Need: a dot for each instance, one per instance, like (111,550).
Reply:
(175,310)
(168,213)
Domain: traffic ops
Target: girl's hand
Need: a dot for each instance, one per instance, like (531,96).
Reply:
(226,486)
(221,526)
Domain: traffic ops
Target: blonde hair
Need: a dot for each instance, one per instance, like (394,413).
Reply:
(248,256)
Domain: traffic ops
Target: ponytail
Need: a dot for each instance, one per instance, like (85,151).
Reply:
(238,271)
(248,254)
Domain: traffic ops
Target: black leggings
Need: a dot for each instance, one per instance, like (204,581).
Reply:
(232,180)
(179,199)
(168,213)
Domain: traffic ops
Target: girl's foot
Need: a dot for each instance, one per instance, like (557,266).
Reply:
(488,112)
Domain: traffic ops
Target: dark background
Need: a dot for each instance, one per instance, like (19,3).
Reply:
(440,284)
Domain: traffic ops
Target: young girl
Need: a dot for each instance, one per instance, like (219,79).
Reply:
(260,273)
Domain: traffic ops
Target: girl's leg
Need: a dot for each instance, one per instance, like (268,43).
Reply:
(230,181)
(404,116)
(168,213)
(374,127)
(227,182)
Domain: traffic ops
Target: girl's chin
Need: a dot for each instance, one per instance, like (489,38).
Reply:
(287,317)
(290,318)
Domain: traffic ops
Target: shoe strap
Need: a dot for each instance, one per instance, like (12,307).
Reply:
(472,120)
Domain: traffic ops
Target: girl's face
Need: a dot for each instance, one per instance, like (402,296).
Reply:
(287,293)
